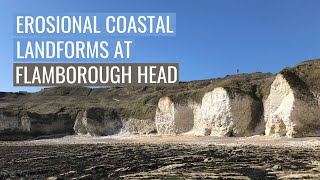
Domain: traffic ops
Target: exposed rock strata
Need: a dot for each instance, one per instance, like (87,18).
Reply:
(14,123)
(97,122)
(31,124)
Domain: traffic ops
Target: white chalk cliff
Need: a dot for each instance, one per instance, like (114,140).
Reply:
(221,113)
(174,118)
(228,113)
(288,113)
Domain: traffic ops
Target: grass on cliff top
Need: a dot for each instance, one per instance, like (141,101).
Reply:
(256,85)
(65,91)
(307,72)
(304,78)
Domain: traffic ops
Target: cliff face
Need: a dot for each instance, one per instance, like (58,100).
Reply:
(222,112)
(98,122)
(292,108)
(286,104)
(216,118)
(174,118)
(278,108)
(30,124)
(103,122)
(226,112)
(138,126)
(14,123)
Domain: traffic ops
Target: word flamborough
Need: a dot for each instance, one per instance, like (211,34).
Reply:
(89,24)
(95,75)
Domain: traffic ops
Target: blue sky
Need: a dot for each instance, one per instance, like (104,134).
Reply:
(214,38)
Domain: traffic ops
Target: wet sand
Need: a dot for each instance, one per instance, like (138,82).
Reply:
(182,139)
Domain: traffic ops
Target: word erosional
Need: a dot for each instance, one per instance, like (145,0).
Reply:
(89,24)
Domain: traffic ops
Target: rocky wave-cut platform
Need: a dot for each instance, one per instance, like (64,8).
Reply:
(124,160)
(285,104)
